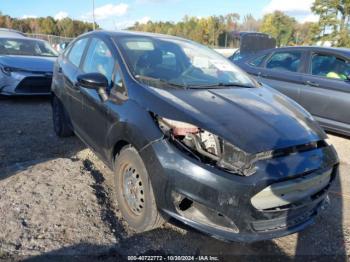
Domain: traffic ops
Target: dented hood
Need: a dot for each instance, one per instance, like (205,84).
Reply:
(253,119)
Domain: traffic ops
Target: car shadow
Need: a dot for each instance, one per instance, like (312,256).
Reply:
(167,242)
(325,240)
(174,239)
(27,136)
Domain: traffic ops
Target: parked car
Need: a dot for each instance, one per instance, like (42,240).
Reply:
(26,66)
(192,137)
(315,77)
(251,43)
(5,32)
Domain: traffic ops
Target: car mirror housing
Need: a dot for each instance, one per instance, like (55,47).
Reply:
(95,81)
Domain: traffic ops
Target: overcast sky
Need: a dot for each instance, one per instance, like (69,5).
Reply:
(111,14)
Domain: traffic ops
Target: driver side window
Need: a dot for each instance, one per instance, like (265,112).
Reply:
(330,66)
(99,59)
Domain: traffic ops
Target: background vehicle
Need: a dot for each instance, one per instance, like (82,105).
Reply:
(4,32)
(315,77)
(191,136)
(25,66)
(251,43)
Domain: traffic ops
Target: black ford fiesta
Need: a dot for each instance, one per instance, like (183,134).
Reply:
(190,136)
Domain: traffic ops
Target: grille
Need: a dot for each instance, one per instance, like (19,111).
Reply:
(292,191)
(34,85)
(284,222)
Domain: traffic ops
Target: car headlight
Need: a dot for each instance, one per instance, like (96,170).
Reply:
(6,70)
(208,147)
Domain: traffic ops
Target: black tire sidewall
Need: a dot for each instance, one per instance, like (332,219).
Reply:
(147,219)
(57,116)
(60,119)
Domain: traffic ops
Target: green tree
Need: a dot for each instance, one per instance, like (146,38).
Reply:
(250,24)
(334,21)
(304,33)
(279,26)
(46,25)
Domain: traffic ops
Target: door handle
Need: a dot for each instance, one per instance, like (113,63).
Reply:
(311,83)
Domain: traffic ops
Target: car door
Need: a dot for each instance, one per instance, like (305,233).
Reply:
(99,59)
(283,72)
(327,91)
(69,67)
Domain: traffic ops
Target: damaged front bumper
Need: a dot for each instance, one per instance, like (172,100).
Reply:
(237,208)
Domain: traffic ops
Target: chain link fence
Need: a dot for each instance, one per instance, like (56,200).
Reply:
(54,40)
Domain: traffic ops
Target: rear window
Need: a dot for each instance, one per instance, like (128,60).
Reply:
(27,47)
(285,61)
(258,60)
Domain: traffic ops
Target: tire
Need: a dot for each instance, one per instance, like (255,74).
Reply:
(134,192)
(61,123)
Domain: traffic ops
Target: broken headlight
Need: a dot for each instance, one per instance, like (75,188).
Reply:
(208,147)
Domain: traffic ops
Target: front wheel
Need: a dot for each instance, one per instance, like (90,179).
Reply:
(134,192)
(60,119)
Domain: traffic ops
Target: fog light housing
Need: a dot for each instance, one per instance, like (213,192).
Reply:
(201,214)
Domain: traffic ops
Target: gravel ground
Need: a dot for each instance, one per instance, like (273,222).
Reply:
(56,202)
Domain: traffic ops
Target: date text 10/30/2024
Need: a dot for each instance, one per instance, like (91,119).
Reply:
(173,258)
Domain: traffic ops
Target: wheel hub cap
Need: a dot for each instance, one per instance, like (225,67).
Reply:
(133,190)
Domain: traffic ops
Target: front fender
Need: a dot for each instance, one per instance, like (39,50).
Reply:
(130,123)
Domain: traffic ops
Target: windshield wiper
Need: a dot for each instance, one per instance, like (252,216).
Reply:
(221,85)
(159,80)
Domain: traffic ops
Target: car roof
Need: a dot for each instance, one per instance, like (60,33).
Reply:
(336,50)
(5,32)
(14,37)
(132,33)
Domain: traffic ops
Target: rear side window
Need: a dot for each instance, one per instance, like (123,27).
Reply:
(237,56)
(99,59)
(330,66)
(77,51)
(257,61)
(285,61)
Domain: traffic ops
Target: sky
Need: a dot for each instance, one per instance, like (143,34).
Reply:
(119,14)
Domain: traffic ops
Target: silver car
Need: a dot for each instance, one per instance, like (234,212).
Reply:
(26,65)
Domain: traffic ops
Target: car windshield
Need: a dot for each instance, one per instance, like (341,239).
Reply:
(28,47)
(179,63)
(237,56)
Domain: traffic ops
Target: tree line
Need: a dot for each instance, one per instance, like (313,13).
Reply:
(333,27)
(66,27)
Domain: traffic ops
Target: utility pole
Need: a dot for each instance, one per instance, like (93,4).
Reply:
(93,13)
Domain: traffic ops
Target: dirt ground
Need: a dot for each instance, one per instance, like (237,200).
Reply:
(56,203)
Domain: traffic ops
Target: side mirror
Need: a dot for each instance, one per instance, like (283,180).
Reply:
(95,81)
